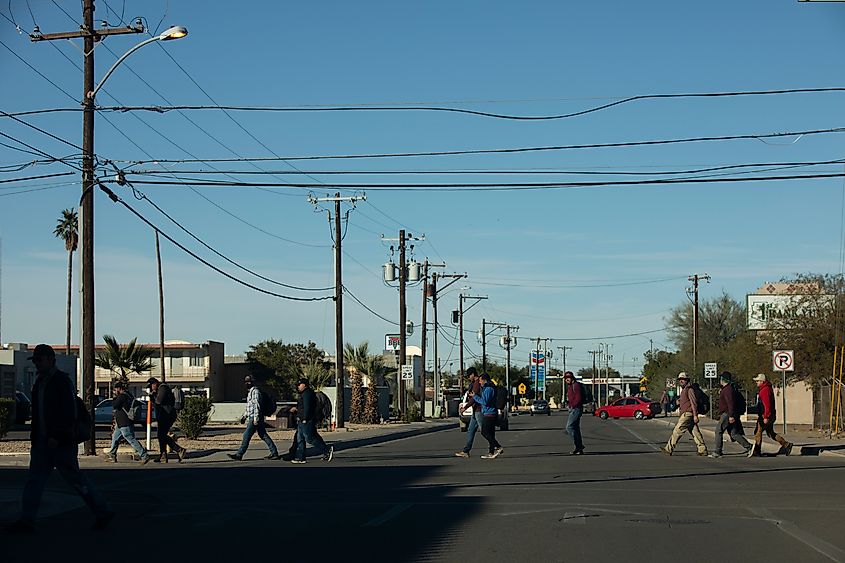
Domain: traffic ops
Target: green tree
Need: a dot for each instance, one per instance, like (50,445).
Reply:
(67,229)
(279,365)
(371,412)
(123,361)
(356,405)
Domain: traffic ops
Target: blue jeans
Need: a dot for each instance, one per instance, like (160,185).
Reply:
(473,427)
(42,461)
(251,429)
(128,434)
(573,427)
(307,432)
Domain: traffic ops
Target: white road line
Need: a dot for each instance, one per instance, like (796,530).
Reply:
(389,515)
(638,437)
(817,544)
(578,518)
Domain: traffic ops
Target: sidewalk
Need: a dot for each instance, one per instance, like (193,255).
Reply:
(214,446)
(806,442)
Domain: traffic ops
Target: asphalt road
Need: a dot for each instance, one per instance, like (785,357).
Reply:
(411,500)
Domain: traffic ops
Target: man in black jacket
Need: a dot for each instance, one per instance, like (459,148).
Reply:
(165,405)
(306,424)
(730,408)
(54,443)
(123,425)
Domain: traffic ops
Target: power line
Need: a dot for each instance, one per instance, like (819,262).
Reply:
(41,177)
(514,150)
(477,281)
(115,198)
(362,304)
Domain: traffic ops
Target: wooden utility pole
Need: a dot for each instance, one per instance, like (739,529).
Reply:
(90,35)
(423,340)
(160,309)
(403,315)
(695,278)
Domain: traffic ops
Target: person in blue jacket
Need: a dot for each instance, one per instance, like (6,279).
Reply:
(489,413)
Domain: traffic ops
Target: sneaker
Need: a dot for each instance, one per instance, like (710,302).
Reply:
(704,453)
(329,455)
(102,522)
(111,458)
(751,453)
(578,451)
(236,457)
(19,527)
(297,461)
(462,454)
(787,449)
(489,456)
(144,460)
(272,457)
(498,451)
(183,453)
(665,451)
(715,455)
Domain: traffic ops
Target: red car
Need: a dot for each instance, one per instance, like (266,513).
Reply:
(636,407)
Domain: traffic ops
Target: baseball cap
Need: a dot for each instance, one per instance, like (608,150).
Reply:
(683,375)
(42,351)
(761,377)
(151,380)
(302,381)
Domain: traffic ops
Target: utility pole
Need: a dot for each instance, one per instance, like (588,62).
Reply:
(508,345)
(461,312)
(90,35)
(563,349)
(483,345)
(160,310)
(429,290)
(433,290)
(594,353)
(695,278)
(338,298)
(403,314)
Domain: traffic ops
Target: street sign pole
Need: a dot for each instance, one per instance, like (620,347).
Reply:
(783,361)
(783,398)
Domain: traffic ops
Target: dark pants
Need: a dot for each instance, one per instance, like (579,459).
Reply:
(573,427)
(165,421)
(42,461)
(768,428)
(307,432)
(488,430)
(734,431)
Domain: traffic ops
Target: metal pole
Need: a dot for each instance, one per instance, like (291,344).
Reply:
(461,336)
(338,317)
(402,319)
(438,397)
(783,399)
(423,341)
(87,204)
(508,360)
(483,345)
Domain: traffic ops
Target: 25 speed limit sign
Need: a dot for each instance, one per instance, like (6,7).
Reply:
(783,360)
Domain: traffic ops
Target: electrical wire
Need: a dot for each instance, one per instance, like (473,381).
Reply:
(39,152)
(599,337)
(362,304)
(514,150)
(141,196)
(41,177)
(477,281)
(115,198)
(42,131)
(38,189)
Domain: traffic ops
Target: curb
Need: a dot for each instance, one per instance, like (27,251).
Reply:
(352,444)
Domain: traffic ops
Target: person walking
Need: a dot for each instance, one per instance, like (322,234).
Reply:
(731,407)
(766,419)
(306,425)
(476,419)
(124,425)
(666,402)
(254,423)
(489,414)
(687,418)
(575,399)
(165,405)
(54,443)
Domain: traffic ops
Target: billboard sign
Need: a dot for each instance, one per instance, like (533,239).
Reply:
(761,310)
(391,342)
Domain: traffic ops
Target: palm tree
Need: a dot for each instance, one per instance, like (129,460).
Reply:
(124,361)
(67,229)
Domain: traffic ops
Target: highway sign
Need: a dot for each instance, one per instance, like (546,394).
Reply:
(710,370)
(783,360)
(408,373)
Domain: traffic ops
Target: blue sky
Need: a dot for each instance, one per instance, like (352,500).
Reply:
(550,261)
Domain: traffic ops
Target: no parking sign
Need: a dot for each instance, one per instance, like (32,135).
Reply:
(783,360)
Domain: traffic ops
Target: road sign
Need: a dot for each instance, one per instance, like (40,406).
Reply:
(710,370)
(522,389)
(391,342)
(408,373)
(783,360)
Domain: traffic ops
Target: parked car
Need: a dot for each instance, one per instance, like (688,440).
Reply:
(501,420)
(540,406)
(629,407)
(23,407)
(104,412)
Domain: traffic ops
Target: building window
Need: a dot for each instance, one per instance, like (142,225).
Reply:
(197,360)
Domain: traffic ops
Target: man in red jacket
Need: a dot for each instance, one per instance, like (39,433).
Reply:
(766,419)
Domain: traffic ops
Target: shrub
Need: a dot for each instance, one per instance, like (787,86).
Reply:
(371,414)
(412,409)
(194,415)
(7,410)
(356,408)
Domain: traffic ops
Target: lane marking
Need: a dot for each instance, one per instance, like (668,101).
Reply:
(638,437)
(817,544)
(389,515)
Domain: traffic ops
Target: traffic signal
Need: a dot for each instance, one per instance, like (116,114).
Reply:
(456,317)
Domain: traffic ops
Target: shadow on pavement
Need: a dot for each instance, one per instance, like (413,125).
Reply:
(816,450)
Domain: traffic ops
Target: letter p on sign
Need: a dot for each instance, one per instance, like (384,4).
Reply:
(783,360)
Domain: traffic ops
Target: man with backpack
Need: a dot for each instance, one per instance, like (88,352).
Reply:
(575,399)
(690,404)
(306,425)
(54,438)
(731,407)
(489,415)
(165,405)
(258,405)
(474,423)
(123,407)
(766,419)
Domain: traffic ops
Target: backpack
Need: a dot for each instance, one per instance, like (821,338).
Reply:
(586,393)
(179,398)
(702,401)
(324,407)
(135,410)
(266,403)
(81,421)
(501,398)
(739,401)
